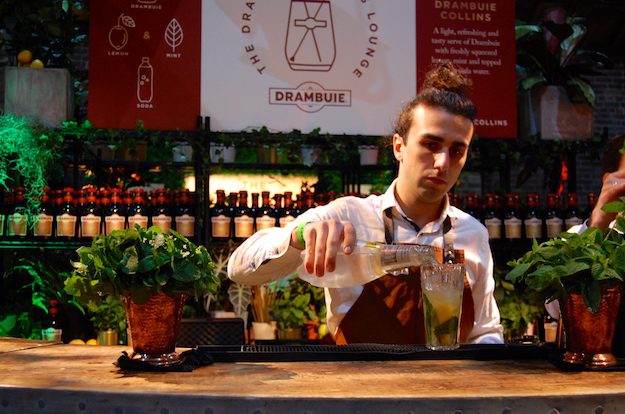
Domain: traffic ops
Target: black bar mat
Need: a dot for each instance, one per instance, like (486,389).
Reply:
(369,352)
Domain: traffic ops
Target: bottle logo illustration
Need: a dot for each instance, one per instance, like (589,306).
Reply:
(174,34)
(310,43)
(118,35)
(145,81)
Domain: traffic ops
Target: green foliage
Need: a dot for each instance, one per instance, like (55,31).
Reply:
(140,263)
(50,29)
(26,150)
(517,305)
(110,314)
(573,262)
(294,304)
(568,65)
(46,283)
(20,326)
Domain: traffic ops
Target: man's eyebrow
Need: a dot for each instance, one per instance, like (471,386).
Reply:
(438,139)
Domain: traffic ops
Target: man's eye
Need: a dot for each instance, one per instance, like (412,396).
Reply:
(457,151)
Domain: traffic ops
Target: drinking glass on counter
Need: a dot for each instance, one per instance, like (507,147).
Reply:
(442,286)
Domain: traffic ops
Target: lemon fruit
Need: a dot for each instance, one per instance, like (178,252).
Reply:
(25,56)
(91,341)
(76,342)
(37,64)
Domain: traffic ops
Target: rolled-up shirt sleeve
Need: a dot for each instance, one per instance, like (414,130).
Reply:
(267,255)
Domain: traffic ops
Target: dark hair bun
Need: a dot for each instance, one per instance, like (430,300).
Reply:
(447,77)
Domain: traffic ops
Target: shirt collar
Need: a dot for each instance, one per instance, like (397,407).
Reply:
(389,201)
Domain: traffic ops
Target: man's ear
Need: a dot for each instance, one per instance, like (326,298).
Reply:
(398,144)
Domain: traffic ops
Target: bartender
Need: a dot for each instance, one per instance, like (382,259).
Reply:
(432,136)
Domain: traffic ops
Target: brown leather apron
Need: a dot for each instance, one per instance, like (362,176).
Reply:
(390,309)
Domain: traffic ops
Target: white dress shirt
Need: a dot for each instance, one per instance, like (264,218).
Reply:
(268,256)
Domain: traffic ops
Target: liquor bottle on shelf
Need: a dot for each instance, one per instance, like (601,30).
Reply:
(232,210)
(4,199)
(299,206)
(592,202)
(115,213)
(66,217)
(220,220)
(266,216)
(161,213)
(255,208)
(45,217)
(512,219)
(185,214)
(471,206)
(51,329)
(288,214)
(553,216)
(309,201)
(573,216)
(533,221)
(243,220)
(17,222)
(278,209)
(138,213)
(90,216)
(368,262)
(492,220)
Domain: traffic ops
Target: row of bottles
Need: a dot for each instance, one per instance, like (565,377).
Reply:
(70,214)
(512,221)
(233,217)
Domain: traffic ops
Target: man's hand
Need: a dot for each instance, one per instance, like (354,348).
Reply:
(612,189)
(323,239)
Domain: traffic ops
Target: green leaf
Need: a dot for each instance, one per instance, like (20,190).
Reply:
(614,207)
(592,296)
(518,271)
(185,272)
(523,30)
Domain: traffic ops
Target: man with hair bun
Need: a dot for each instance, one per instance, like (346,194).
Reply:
(432,136)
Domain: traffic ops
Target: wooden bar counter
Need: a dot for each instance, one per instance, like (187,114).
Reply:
(39,377)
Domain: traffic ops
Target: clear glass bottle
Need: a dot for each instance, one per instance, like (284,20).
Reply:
(51,329)
(368,262)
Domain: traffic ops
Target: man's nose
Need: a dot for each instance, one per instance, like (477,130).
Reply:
(441,160)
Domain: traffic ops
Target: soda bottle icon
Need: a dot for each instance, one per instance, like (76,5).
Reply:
(145,75)
(310,44)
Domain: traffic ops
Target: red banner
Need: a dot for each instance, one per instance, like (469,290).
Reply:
(478,36)
(144,63)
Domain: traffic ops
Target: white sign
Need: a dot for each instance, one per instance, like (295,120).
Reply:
(344,66)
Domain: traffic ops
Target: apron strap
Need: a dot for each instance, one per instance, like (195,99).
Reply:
(448,245)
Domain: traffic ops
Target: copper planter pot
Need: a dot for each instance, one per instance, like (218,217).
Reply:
(589,335)
(153,328)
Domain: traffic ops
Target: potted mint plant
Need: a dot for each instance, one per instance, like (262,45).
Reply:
(154,272)
(109,320)
(583,271)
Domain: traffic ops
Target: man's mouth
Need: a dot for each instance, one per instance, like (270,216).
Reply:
(437,181)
